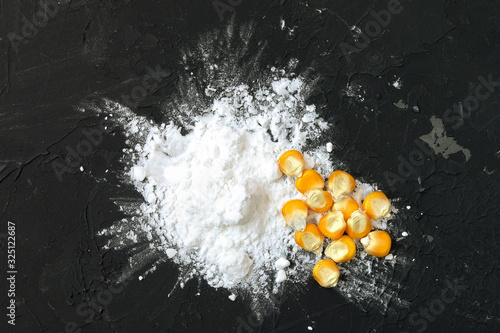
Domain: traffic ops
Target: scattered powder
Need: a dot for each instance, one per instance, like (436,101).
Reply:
(215,194)
(355,90)
(213,197)
(212,193)
(368,267)
(132,236)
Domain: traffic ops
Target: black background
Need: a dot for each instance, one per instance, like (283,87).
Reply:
(101,49)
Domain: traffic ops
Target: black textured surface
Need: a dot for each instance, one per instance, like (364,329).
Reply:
(94,49)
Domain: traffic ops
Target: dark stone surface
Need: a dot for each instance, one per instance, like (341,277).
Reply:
(96,49)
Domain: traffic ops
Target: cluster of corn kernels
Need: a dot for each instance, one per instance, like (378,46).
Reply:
(345,221)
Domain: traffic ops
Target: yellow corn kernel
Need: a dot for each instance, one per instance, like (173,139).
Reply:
(318,200)
(291,163)
(311,239)
(341,250)
(295,214)
(332,225)
(310,180)
(341,183)
(326,273)
(376,205)
(358,225)
(377,243)
(346,205)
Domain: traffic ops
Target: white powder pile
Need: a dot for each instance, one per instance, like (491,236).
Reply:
(215,195)
(211,198)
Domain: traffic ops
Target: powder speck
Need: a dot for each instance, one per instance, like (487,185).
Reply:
(368,267)
(397,84)
(404,234)
(232,297)
(281,276)
(138,173)
(171,253)
(282,263)
(329,147)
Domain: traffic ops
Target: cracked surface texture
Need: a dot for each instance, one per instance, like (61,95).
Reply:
(60,191)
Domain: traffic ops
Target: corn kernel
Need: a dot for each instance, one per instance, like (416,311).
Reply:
(341,250)
(332,225)
(311,239)
(377,243)
(358,225)
(310,180)
(341,183)
(318,200)
(376,205)
(346,205)
(326,273)
(295,214)
(291,163)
